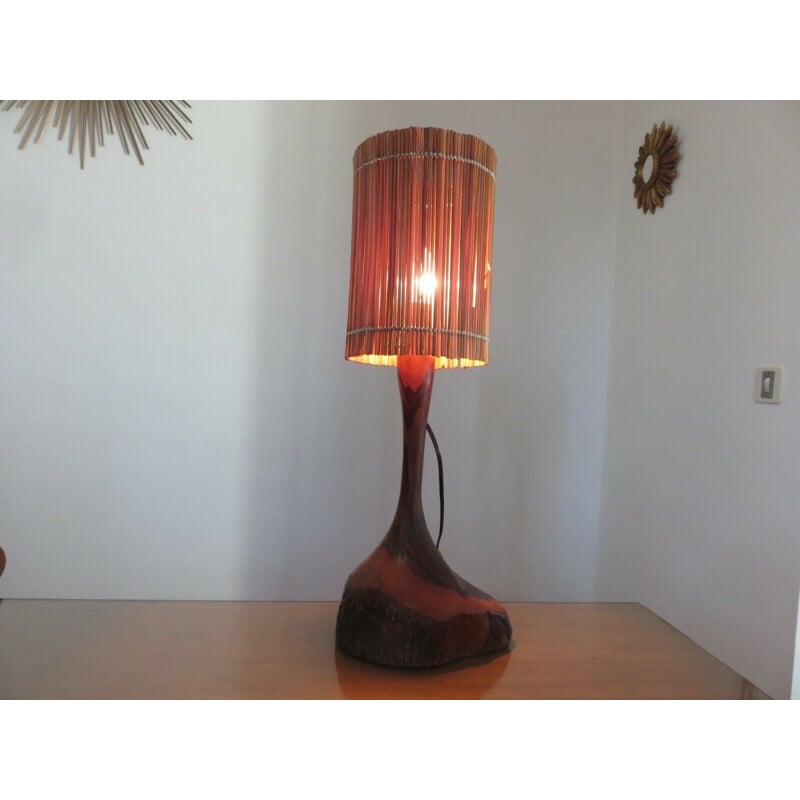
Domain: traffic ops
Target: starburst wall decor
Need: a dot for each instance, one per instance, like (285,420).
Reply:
(655,168)
(89,120)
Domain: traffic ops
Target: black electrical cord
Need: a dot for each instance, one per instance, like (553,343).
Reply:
(441,483)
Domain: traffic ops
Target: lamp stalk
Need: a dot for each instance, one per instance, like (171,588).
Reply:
(404,606)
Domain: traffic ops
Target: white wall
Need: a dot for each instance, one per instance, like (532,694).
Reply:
(701,502)
(796,673)
(176,416)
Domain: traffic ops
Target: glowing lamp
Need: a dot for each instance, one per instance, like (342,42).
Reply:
(420,289)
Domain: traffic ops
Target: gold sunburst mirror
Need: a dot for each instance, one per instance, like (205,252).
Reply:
(89,120)
(655,168)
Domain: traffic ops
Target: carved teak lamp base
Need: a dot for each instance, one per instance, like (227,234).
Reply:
(404,606)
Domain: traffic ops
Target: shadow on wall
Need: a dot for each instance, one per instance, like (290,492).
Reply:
(511,458)
(316,420)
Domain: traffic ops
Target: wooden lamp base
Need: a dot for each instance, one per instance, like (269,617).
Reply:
(404,606)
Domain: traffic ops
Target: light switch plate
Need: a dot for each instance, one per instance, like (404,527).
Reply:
(767,387)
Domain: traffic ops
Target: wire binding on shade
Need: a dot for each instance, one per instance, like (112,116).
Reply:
(421,257)
(427,154)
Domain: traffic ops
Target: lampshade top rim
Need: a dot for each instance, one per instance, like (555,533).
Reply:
(434,148)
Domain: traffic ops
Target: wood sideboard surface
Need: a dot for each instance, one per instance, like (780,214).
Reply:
(108,649)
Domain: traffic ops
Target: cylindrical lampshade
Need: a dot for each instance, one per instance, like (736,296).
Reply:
(421,260)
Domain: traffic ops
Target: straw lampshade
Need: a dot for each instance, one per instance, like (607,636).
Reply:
(421,260)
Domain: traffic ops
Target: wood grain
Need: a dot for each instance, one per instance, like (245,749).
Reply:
(404,606)
(203,650)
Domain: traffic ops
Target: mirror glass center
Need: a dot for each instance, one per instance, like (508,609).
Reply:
(647,168)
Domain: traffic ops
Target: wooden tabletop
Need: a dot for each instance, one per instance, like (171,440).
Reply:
(195,650)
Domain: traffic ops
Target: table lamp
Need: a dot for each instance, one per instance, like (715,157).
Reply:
(420,285)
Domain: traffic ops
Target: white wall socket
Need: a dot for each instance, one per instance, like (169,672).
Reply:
(767,387)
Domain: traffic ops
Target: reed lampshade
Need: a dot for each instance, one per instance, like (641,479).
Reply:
(421,259)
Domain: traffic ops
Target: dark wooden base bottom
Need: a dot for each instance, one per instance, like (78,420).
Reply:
(374,627)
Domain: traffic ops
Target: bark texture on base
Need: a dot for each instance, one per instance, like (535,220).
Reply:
(374,627)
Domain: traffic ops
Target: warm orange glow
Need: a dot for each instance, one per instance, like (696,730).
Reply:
(440,362)
(420,275)
(426,285)
(396,578)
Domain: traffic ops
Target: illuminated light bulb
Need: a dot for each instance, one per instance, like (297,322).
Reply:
(426,284)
